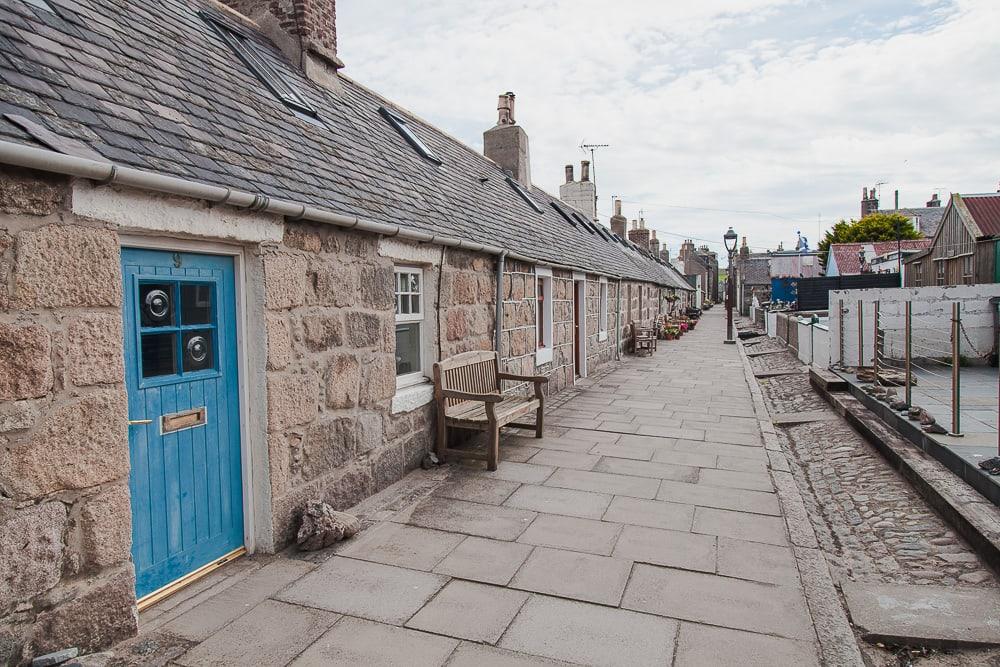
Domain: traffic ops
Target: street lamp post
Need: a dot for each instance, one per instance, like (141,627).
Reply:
(730,238)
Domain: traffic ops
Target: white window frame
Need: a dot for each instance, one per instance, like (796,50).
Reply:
(543,352)
(602,334)
(418,376)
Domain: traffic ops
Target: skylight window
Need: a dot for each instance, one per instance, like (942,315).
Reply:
(586,223)
(404,129)
(524,194)
(563,213)
(41,4)
(252,57)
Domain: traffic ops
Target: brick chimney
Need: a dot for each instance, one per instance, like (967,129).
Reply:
(618,221)
(304,30)
(654,243)
(639,235)
(506,143)
(869,201)
(935,201)
(582,194)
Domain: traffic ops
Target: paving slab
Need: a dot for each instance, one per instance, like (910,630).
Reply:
(482,559)
(620,485)
(617,466)
(370,590)
(757,561)
(402,545)
(716,600)
(670,548)
(481,655)
(720,498)
(741,464)
(740,525)
(572,533)
(477,489)
(458,516)
(924,615)
(589,634)
(732,479)
(651,513)
(527,473)
(570,574)
(624,451)
(468,610)
(701,645)
(754,451)
(200,622)
(561,459)
(693,459)
(272,633)
(355,641)
(554,500)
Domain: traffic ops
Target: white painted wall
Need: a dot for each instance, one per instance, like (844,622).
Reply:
(931,321)
(771,321)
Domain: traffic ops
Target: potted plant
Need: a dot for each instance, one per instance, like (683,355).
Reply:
(671,332)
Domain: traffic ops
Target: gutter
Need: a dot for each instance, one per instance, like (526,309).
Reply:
(105,173)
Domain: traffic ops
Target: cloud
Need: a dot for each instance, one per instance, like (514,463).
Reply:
(781,107)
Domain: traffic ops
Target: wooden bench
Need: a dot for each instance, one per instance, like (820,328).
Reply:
(468,394)
(643,338)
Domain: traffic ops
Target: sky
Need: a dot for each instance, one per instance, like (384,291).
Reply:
(765,115)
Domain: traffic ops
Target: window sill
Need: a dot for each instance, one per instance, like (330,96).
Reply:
(412,397)
(543,355)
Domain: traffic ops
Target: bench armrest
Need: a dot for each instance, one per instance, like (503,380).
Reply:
(522,378)
(466,396)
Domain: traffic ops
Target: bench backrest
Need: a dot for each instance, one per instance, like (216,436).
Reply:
(473,372)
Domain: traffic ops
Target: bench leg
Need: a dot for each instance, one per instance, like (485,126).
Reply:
(539,421)
(441,443)
(493,448)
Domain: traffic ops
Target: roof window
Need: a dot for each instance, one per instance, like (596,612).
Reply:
(563,213)
(253,57)
(41,4)
(404,129)
(586,223)
(524,194)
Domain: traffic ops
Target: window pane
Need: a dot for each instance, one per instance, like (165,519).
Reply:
(415,304)
(198,354)
(156,305)
(400,282)
(414,282)
(407,348)
(404,305)
(159,354)
(196,304)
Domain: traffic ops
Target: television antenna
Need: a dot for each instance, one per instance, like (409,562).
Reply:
(585,147)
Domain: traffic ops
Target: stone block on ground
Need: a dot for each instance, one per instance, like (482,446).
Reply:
(322,526)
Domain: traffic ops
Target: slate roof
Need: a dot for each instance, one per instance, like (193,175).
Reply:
(151,85)
(756,271)
(985,212)
(848,262)
(926,220)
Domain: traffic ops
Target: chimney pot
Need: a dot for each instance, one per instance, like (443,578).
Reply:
(585,170)
(506,143)
(569,173)
(618,207)
(505,109)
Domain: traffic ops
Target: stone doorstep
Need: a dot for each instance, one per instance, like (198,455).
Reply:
(924,615)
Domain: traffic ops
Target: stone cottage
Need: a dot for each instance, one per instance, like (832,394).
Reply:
(226,270)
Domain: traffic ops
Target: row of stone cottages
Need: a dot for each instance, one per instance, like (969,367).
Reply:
(225,273)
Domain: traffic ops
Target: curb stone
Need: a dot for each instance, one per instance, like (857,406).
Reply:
(838,645)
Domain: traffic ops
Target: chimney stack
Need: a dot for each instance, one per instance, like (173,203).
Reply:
(618,221)
(896,206)
(569,173)
(304,30)
(654,243)
(639,235)
(935,201)
(585,170)
(506,143)
(869,201)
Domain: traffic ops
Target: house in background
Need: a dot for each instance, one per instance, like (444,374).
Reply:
(854,259)
(710,259)
(698,271)
(964,250)
(925,220)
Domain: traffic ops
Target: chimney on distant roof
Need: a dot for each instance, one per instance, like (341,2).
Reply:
(869,201)
(582,194)
(584,170)
(639,235)
(744,249)
(935,201)
(506,143)
(569,173)
(654,243)
(618,221)
(304,30)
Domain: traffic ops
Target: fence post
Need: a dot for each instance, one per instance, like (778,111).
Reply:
(840,330)
(875,345)
(956,390)
(909,353)
(861,335)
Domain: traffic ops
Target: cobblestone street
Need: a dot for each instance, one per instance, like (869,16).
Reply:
(870,522)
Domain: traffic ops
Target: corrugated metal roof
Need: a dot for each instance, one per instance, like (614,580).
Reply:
(985,210)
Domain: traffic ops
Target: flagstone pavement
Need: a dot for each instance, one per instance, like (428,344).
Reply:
(643,529)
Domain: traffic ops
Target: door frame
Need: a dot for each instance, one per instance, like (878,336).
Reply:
(239,277)
(580,323)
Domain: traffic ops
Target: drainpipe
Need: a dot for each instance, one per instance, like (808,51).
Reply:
(499,315)
(105,173)
(618,322)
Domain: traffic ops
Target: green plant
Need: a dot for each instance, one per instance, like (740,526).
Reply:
(873,227)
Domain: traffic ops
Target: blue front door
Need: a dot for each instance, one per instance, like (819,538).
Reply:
(183,398)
